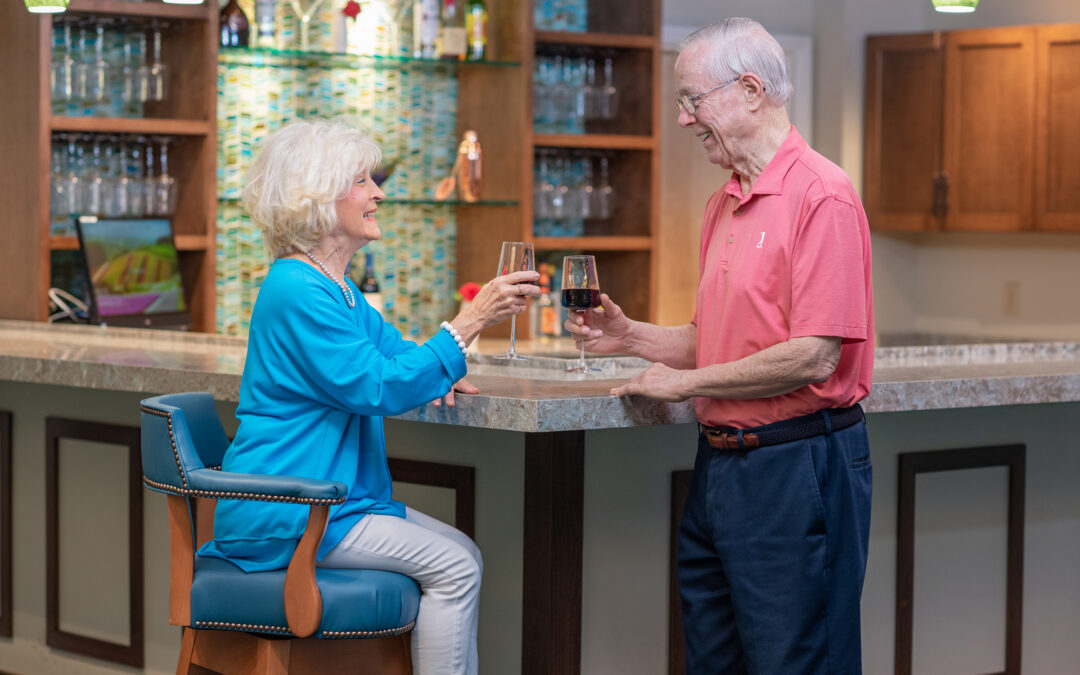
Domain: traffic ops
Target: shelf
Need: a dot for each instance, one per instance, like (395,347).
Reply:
(593,243)
(158,10)
(595,39)
(595,141)
(416,202)
(131,125)
(184,242)
(281,58)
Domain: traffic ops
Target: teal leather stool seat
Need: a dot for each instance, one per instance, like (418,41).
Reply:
(230,617)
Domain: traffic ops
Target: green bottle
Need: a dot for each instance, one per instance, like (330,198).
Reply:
(476,30)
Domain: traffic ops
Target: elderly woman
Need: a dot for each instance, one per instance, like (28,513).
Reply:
(323,368)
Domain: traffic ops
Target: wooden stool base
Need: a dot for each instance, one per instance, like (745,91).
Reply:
(235,653)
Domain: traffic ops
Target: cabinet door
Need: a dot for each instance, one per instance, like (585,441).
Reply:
(1057,171)
(990,128)
(904,109)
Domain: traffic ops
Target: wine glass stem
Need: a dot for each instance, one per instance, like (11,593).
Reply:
(582,346)
(513,332)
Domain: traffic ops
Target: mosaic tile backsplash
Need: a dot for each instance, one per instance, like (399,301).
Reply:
(409,108)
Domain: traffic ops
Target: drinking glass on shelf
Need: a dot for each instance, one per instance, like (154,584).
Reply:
(609,95)
(134,170)
(589,90)
(164,184)
(604,193)
(150,193)
(516,256)
(80,68)
(93,183)
(585,191)
(96,69)
(580,293)
(62,73)
(155,69)
(132,84)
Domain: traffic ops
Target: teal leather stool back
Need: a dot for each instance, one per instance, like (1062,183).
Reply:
(340,620)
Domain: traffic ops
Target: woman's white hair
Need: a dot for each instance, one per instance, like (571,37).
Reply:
(299,174)
(739,45)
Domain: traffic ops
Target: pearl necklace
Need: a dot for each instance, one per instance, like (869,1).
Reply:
(350,300)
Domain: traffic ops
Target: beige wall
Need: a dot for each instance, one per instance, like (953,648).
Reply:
(931,283)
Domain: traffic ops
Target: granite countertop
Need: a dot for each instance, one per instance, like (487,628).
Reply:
(536,396)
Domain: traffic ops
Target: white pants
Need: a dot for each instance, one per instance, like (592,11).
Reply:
(446,564)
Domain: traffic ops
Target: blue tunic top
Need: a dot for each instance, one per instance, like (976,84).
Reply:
(317,379)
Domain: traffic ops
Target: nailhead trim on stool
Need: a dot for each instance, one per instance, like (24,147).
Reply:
(172,439)
(253,496)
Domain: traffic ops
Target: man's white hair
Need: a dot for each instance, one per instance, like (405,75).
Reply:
(299,174)
(739,45)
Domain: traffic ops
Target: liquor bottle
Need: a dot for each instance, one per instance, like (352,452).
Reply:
(425,28)
(264,24)
(369,287)
(234,26)
(549,313)
(476,30)
(451,39)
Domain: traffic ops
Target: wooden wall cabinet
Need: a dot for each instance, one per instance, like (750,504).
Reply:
(187,113)
(971,130)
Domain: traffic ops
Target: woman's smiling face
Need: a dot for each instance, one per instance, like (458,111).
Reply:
(356,210)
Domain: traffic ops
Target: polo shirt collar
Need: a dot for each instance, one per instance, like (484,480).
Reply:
(771,180)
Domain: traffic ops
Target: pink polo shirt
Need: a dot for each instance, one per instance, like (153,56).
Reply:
(790,259)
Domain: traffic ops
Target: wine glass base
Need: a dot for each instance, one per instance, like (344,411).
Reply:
(577,368)
(511,357)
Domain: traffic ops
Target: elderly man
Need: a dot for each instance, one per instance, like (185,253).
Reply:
(773,542)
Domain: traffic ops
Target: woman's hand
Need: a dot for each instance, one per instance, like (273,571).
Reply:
(462,385)
(603,330)
(498,300)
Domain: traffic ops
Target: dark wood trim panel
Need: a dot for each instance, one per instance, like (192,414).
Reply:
(56,428)
(554,522)
(6,549)
(914,463)
(680,490)
(461,479)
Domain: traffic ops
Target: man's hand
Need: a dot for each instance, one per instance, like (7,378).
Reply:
(604,329)
(462,385)
(659,382)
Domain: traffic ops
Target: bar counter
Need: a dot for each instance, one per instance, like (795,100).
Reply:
(572,495)
(536,396)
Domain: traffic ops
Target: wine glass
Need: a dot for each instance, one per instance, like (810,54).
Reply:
(580,293)
(517,256)
(305,16)
(609,98)
(155,71)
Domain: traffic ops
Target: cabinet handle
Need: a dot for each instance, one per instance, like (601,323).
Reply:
(941,193)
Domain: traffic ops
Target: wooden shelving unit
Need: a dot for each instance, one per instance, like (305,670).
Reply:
(187,113)
(628,31)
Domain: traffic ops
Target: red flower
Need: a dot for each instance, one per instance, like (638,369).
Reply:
(469,290)
(352,9)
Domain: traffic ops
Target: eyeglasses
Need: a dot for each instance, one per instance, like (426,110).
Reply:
(686,102)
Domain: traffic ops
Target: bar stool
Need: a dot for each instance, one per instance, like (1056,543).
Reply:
(303,620)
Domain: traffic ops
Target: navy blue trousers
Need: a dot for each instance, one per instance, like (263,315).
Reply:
(772,554)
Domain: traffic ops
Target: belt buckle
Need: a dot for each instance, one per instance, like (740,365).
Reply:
(727,441)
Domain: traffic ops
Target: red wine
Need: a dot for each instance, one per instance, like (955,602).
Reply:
(580,298)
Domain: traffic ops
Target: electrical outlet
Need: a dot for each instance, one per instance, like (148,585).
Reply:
(1010,298)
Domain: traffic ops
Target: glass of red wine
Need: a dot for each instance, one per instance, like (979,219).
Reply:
(580,293)
(517,256)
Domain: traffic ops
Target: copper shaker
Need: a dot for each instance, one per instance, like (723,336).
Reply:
(470,171)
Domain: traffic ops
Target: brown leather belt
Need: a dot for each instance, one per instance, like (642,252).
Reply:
(784,431)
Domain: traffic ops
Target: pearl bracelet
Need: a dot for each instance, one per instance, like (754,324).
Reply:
(457,338)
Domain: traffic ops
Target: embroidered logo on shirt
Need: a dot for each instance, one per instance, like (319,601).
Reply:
(760,243)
